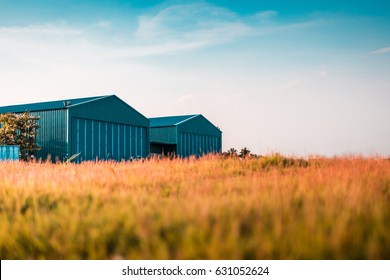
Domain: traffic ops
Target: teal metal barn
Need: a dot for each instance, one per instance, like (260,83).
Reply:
(184,136)
(103,127)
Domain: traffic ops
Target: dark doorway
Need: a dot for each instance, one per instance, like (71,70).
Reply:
(162,149)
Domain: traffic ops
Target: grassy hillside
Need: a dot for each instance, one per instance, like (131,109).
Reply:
(212,208)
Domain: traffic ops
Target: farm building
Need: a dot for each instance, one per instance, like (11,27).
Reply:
(184,136)
(103,127)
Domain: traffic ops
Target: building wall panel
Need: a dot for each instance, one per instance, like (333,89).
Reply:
(165,135)
(199,125)
(109,109)
(107,141)
(121,142)
(52,134)
(115,146)
(118,115)
(196,144)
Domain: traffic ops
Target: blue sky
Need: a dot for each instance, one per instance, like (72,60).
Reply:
(297,77)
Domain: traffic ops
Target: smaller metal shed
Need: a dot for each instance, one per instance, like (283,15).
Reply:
(184,136)
(9,152)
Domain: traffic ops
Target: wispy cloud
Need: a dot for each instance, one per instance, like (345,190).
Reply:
(46,45)
(184,41)
(164,30)
(381,51)
(50,28)
(265,15)
(185,27)
(151,50)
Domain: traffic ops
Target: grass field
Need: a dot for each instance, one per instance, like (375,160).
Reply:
(211,208)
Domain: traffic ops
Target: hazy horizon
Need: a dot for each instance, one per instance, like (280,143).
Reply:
(300,78)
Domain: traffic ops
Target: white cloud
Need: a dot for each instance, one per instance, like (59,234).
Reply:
(182,18)
(150,50)
(265,15)
(48,29)
(381,51)
(185,27)
(42,44)
(166,31)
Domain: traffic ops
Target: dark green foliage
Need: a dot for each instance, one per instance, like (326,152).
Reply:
(245,152)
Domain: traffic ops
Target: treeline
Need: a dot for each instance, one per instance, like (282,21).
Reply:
(274,159)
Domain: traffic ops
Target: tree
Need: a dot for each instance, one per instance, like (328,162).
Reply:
(232,152)
(19,129)
(245,152)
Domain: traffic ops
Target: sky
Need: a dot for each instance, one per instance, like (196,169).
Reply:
(296,77)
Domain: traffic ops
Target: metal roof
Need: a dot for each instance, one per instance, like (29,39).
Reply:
(51,105)
(169,121)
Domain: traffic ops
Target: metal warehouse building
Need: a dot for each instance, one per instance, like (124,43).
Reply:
(184,136)
(103,127)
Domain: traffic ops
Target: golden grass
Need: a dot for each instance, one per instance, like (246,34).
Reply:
(211,208)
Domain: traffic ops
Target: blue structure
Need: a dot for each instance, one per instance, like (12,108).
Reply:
(102,127)
(9,153)
(184,136)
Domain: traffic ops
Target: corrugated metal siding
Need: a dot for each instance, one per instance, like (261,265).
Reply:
(199,125)
(118,122)
(105,140)
(198,136)
(9,153)
(197,144)
(110,109)
(51,135)
(166,135)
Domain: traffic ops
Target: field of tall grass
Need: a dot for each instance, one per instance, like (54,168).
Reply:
(209,208)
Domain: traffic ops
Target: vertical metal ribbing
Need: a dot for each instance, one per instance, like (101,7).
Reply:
(141,146)
(112,140)
(106,144)
(93,136)
(85,140)
(78,138)
(131,139)
(119,142)
(135,142)
(100,142)
(124,141)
